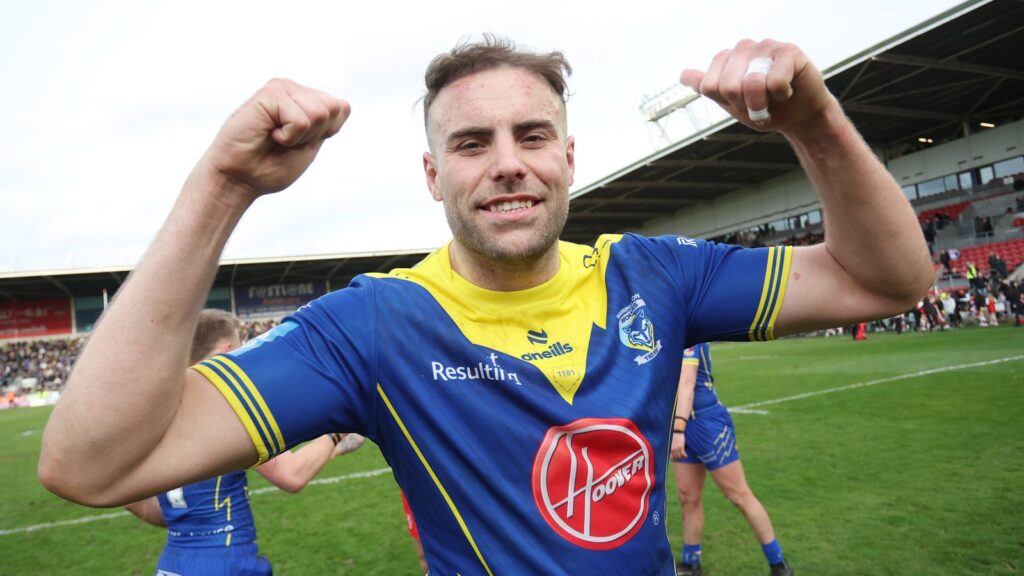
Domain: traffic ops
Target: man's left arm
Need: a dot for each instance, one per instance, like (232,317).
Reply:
(148,510)
(291,471)
(874,262)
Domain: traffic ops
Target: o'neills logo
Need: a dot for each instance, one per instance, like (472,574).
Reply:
(592,481)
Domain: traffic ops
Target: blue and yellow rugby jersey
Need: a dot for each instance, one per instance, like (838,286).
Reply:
(529,430)
(209,514)
(704,394)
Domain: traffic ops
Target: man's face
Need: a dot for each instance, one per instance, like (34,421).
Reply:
(501,162)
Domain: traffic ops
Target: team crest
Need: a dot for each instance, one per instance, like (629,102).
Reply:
(636,330)
(592,481)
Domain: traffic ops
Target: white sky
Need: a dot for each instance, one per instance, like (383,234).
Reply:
(107,105)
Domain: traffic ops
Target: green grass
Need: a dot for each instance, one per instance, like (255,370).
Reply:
(922,475)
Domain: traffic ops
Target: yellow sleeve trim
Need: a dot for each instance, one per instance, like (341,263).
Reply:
(264,409)
(243,397)
(437,481)
(773,291)
(694,361)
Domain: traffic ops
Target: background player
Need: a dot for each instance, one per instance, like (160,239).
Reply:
(704,440)
(414,533)
(210,528)
(469,417)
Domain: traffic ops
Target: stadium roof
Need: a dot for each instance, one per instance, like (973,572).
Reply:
(935,80)
(337,269)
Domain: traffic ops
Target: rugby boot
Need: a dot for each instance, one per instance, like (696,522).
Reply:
(781,569)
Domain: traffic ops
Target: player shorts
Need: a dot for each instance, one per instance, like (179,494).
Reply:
(241,560)
(711,438)
(410,522)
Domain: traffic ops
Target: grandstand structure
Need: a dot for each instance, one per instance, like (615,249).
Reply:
(941,104)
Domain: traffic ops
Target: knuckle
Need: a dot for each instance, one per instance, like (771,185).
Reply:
(745,43)
(277,83)
(731,91)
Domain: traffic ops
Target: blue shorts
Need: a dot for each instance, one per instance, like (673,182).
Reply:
(227,561)
(711,438)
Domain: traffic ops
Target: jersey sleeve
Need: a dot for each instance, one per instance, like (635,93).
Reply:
(729,292)
(306,377)
(690,356)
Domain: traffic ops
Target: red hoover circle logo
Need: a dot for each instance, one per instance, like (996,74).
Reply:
(592,481)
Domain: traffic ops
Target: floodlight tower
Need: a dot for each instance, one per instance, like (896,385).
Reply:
(658,107)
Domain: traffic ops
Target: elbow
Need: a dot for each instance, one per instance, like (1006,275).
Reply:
(916,286)
(64,481)
(290,483)
(66,484)
(291,486)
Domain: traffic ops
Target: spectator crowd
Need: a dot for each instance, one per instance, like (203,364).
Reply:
(34,371)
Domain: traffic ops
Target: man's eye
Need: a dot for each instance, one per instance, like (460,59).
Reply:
(470,146)
(535,138)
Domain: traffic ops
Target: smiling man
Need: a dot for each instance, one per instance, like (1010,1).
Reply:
(521,388)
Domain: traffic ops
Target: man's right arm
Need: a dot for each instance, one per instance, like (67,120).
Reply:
(133,421)
(684,405)
(149,511)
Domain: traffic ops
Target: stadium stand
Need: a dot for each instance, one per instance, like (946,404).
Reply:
(31,371)
(949,211)
(1011,251)
(939,79)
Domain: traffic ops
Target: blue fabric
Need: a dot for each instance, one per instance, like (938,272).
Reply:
(711,438)
(214,513)
(233,561)
(773,552)
(548,442)
(691,554)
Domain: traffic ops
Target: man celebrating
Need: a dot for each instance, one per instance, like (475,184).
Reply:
(520,387)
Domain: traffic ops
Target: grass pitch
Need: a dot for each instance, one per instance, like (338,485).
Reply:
(898,455)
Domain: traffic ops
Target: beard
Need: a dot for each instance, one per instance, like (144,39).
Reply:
(531,243)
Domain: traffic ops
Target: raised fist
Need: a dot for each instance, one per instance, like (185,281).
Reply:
(270,141)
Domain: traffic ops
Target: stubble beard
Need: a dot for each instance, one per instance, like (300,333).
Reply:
(490,247)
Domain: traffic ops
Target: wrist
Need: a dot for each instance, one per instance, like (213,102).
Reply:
(211,185)
(826,126)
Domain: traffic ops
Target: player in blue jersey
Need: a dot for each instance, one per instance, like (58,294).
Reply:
(210,528)
(516,384)
(704,440)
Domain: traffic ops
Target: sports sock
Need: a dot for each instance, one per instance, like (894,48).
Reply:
(773,552)
(691,554)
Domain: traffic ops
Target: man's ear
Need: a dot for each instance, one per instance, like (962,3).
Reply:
(570,157)
(430,171)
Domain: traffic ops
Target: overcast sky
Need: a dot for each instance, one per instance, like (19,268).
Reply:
(107,105)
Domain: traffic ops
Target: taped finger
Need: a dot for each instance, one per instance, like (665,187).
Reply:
(758,66)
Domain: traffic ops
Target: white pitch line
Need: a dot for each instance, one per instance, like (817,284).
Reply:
(331,480)
(64,523)
(742,410)
(111,515)
(747,407)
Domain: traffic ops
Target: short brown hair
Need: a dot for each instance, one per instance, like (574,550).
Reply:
(212,327)
(469,58)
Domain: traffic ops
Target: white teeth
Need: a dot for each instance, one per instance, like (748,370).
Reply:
(513,205)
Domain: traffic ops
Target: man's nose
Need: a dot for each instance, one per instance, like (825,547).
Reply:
(507,162)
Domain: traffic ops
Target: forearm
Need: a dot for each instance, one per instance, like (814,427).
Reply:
(870,228)
(292,471)
(126,386)
(684,395)
(149,511)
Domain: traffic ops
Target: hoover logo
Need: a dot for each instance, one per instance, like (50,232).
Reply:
(592,481)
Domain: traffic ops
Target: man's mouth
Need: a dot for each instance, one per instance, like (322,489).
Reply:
(511,206)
